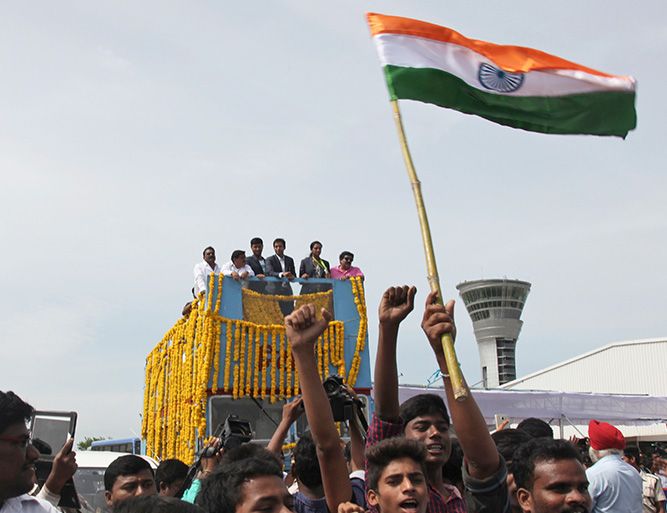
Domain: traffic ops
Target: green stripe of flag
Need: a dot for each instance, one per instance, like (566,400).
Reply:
(599,113)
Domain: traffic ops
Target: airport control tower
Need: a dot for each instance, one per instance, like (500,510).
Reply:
(495,308)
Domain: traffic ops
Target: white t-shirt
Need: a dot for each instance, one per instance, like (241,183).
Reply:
(27,504)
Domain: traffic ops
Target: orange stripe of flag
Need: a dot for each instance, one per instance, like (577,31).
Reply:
(510,58)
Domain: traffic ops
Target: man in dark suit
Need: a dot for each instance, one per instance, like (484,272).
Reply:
(258,264)
(281,266)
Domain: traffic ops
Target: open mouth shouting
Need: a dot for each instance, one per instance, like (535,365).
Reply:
(410,506)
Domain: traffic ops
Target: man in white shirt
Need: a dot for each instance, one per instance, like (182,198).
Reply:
(203,270)
(614,485)
(17,458)
(237,267)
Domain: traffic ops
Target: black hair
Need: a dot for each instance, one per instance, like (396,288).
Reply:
(206,249)
(423,404)
(383,453)
(127,465)
(256,240)
(237,253)
(452,471)
(344,254)
(155,504)
(632,452)
(169,471)
(280,240)
(507,441)
(306,464)
(536,427)
(221,491)
(535,451)
(13,410)
(313,244)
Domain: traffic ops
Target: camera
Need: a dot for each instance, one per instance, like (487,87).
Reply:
(343,405)
(232,433)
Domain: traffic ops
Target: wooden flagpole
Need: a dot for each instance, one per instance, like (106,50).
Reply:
(456,378)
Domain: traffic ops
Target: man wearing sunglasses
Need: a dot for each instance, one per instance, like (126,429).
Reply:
(17,458)
(345,269)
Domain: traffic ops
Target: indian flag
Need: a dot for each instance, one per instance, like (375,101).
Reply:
(511,85)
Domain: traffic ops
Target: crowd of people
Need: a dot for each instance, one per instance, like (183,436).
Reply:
(408,460)
(278,265)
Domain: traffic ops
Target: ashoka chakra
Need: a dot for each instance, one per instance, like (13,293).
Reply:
(496,79)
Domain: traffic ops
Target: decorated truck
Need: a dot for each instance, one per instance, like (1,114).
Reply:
(229,355)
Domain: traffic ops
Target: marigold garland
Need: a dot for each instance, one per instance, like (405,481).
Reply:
(289,365)
(282,343)
(274,358)
(228,355)
(360,302)
(237,357)
(249,330)
(255,384)
(325,351)
(265,365)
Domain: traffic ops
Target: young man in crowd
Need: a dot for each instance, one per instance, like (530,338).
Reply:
(536,428)
(248,479)
(507,441)
(310,496)
(17,458)
(396,473)
(425,417)
(303,327)
(128,476)
(170,476)
(203,269)
(653,497)
(550,477)
(614,485)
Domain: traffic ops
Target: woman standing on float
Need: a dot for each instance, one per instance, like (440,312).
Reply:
(314,267)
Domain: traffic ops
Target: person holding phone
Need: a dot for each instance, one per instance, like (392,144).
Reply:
(17,458)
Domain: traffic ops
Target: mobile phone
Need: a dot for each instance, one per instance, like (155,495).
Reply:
(54,428)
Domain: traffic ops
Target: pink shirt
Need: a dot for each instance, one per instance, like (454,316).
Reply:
(338,274)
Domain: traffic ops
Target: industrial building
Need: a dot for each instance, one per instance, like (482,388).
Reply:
(631,367)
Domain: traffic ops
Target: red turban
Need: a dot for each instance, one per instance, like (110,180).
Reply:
(604,436)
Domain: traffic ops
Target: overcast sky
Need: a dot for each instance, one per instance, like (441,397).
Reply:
(134,134)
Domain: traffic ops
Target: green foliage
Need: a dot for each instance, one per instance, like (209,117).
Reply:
(85,444)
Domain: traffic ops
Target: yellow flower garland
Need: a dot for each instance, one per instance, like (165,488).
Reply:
(255,384)
(228,355)
(237,357)
(274,360)
(289,365)
(280,366)
(360,302)
(265,364)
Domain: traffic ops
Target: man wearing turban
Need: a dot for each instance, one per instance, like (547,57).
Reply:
(614,486)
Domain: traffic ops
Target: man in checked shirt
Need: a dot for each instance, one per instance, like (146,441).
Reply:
(424,417)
